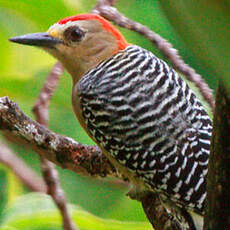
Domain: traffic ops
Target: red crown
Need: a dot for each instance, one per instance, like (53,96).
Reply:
(122,44)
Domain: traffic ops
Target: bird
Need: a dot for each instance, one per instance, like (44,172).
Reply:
(138,110)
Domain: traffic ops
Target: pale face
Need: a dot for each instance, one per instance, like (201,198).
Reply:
(84,44)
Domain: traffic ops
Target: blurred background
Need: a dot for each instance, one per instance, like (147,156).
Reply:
(197,30)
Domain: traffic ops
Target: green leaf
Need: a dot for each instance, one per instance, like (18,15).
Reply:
(3,190)
(124,206)
(10,186)
(38,212)
(8,228)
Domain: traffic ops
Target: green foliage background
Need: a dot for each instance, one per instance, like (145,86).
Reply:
(22,73)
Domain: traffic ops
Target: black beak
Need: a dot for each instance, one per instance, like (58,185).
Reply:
(36,39)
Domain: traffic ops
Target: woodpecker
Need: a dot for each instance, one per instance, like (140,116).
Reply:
(139,111)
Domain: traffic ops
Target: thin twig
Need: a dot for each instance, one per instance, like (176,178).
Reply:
(42,105)
(28,177)
(106,10)
(49,171)
(102,3)
(50,175)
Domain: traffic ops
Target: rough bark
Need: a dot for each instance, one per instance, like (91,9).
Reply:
(218,198)
(61,150)
(157,214)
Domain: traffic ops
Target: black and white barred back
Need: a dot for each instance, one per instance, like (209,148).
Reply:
(150,121)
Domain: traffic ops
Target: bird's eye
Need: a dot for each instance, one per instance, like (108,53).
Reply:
(74,34)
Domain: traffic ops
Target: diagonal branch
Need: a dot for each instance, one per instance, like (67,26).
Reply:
(42,105)
(61,150)
(21,170)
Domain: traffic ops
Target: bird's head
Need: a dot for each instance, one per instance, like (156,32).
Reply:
(79,42)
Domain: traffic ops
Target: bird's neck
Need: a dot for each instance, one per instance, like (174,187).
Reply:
(87,59)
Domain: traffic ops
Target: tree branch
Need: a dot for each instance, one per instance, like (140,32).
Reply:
(21,170)
(49,172)
(61,150)
(218,187)
(41,107)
